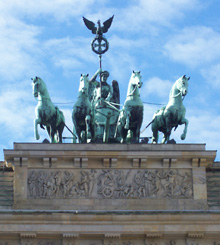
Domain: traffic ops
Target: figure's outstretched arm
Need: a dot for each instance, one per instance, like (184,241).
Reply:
(93,79)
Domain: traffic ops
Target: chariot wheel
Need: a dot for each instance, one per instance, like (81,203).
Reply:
(107,192)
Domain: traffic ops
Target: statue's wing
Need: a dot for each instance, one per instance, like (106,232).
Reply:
(90,25)
(107,24)
(116,93)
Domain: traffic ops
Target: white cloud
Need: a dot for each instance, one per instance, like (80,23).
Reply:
(17,113)
(140,15)
(60,10)
(194,46)
(158,87)
(19,47)
(212,75)
(204,128)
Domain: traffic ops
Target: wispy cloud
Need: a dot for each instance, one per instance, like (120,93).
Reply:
(17,111)
(212,75)
(195,46)
(59,10)
(142,14)
(19,47)
(157,87)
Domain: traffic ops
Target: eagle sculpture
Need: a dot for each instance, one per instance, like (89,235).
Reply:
(100,29)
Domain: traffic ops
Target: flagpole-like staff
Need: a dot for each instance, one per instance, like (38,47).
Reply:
(99,44)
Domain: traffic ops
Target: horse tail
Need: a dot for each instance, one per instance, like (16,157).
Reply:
(59,117)
(147,125)
(70,131)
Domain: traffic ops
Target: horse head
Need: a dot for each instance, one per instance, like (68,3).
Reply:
(84,84)
(134,83)
(136,79)
(38,86)
(182,85)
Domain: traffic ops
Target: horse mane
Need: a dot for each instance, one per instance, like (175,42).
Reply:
(130,81)
(44,86)
(129,85)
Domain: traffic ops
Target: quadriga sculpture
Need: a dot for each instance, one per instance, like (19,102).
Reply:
(82,114)
(46,113)
(131,116)
(173,114)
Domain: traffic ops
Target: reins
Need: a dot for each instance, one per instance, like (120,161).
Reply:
(132,93)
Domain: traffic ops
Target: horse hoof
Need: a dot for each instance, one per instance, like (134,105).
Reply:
(183,137)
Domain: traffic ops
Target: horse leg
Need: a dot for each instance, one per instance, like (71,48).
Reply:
(168,129)
(129,137)
(36,122)
(186,122)
(119,126)
(60,132)
(155,133)
(88,130)
(76,129)
(127,123)
(74,137)
(51,131)
(83,136)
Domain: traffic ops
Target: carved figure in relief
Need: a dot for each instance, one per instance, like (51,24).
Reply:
(32,184)
(106,183)
(84,182)
(149,178)
(49,185)
(41,179)
(156,185)
(111,183)
(184,185)
(67,183)
(58,182)
(123,189)
(91,177)
(168,182)
(139,183)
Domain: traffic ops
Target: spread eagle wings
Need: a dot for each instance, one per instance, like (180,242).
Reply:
(91,25)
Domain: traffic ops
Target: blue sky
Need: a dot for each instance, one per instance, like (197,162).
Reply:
(162,39)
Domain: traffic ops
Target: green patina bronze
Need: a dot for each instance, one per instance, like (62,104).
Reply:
(83,115)
(95,112)
(131,116)
(173,114)
(46,113)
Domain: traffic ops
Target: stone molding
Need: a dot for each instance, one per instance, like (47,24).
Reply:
(28,234)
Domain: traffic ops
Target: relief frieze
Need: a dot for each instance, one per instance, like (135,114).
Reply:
(114,183)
